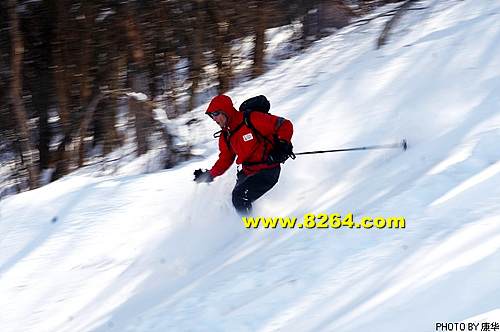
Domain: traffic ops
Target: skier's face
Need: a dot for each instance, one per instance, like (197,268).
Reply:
(220,118)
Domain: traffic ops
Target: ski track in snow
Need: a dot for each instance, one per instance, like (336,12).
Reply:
(157,252)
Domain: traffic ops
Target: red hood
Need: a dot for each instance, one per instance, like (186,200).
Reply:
(225,104)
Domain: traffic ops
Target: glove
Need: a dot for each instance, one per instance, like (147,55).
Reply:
(203,176)
(281,151)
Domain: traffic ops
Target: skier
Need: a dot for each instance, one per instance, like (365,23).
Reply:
(259,142)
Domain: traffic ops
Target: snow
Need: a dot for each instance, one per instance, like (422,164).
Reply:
(157,252)
(138,96)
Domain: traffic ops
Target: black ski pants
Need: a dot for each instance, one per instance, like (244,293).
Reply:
(250,188)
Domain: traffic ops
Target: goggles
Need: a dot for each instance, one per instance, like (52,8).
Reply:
(212,114)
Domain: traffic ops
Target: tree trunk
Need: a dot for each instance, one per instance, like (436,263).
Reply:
(84,125)
(385,33)
(85,55)
(221,47)
(61,159)
(195,56)
(171,61)
(221,52)
(140,121)
(260,38)
(29,155)
(138,73)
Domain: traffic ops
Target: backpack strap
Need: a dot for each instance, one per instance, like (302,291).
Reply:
(246,117)
(227,134)
(246,121)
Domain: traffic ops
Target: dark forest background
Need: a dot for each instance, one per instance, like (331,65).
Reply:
(71,71)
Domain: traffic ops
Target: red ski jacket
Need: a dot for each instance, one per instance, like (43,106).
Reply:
(249,148)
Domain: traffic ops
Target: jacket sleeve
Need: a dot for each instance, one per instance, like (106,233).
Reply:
(269,125)
(226,159)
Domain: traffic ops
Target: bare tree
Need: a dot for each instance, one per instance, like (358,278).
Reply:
(261,24)
(28,150)
(138,72)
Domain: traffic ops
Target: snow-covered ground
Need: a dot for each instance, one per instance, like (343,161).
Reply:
(157,252)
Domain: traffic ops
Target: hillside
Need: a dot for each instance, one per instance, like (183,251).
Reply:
(157,252)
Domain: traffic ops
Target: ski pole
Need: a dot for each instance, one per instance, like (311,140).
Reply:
(401,144)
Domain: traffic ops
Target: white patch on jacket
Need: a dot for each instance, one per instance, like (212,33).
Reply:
(248,137)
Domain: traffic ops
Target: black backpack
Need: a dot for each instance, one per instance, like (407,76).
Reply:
(258,103)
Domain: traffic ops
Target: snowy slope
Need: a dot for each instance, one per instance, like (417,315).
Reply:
(156,252)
